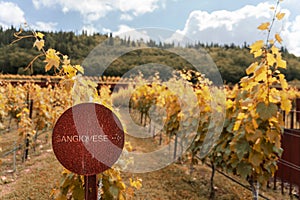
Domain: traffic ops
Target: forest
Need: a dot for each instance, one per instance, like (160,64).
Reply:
(231,60)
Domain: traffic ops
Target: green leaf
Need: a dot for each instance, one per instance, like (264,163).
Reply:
(266,147)
(244,170)
(272,135)
(78,192)
(266,111)
(65,182)
(114,191)
(255,158)
(242,147)
(277,150)
(254,136)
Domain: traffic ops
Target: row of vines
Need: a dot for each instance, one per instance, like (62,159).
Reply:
(31,109)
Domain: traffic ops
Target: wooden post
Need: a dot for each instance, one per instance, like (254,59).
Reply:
(292,119)
(282,187)
(175,146)
(291,189)
(275,179)
(160,138)
(91,187)
(149,130)
(15,159)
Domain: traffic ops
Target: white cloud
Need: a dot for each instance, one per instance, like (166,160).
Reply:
(239,26)
(11,14)
(293,5)
(45,26)
(47,3)
(106,30)
(291,36)
(134,34)
(93,10)
(138,7)
(227,26)
(126,17)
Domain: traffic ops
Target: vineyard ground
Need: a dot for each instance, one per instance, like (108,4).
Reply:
(35,178)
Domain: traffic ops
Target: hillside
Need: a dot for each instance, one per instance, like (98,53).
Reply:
(231,60)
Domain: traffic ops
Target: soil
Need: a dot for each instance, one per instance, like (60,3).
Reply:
(35,178)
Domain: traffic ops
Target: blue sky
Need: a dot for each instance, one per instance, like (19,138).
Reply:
(228,21)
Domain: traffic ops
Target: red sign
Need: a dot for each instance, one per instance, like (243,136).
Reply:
(88,139)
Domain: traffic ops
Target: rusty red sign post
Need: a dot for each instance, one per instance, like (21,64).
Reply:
(88,139)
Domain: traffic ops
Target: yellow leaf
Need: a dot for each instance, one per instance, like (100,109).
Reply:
(237,125)
(264,26)
(255,125)
(283,82)
(26,110)
(256,46)
(121,196)
(19,114)
(261,73)
(275,50)
(251,68)
(285,103)
(261,77)
(121,185)
(229,104)
(249,85)
(79,68)
(52,59)
(278,38)
(281,63)
(69,71)
(39,44)
(66,61)
(280,15)
(39,35)
(258,53)
(241,116)
(137,184)
(65,171)
(271,60)
(272,7)
(274,96)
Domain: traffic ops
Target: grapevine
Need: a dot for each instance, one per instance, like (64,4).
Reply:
(250,142)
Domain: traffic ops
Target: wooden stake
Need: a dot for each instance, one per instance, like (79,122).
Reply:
(91,187)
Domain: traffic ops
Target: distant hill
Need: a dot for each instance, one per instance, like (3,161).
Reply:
(231,60)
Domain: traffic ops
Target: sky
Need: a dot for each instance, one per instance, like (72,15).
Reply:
(206,21)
